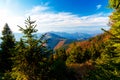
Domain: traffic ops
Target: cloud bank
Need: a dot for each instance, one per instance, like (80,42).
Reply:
(48,20)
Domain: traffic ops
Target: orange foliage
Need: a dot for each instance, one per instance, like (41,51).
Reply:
(97,40)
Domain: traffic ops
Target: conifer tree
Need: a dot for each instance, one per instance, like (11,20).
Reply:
(115,25)
(109,62)
(31,61)
(114,45)
(8,42)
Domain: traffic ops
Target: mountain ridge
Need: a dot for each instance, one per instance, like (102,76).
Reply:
(55,38)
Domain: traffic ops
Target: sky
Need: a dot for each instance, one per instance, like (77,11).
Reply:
(56,15)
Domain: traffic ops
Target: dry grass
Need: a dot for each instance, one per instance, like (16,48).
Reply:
(60,44)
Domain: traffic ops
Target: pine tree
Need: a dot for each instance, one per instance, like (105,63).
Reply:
(114,43)
(115,25)
(8,42)
(31,61)
(107,67)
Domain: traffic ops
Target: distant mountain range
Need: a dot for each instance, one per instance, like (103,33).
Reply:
(57,39)
(61,38)
(75,36)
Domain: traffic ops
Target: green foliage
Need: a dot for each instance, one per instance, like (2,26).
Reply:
(7,76)
(76,55)
(59,71)
(34,61)
(8,43)
(104,69)
(86,50)
(61,54)
(30,55)
(107,66)
(103,72)
(115,4)
(115,31)
(115,24)
(58,68)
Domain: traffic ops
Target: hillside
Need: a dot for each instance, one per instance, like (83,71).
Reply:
(81,55)
(53,39)
(59,39)
(86,44)
(60,44)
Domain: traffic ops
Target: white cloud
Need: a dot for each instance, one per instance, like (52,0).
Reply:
(54,21)
(98,6)
(51,21)
(37,9)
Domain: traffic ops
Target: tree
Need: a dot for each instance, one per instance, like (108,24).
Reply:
(61,53)
(114,46)
(8,43)
(31,61)
(76,55)
(109,62)
(115,4)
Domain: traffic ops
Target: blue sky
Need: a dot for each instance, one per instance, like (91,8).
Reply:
(56,15)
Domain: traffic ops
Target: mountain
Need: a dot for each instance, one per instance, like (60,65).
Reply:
(67,38)
(58,39)
(95,42)
(75,36)
(53,39)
